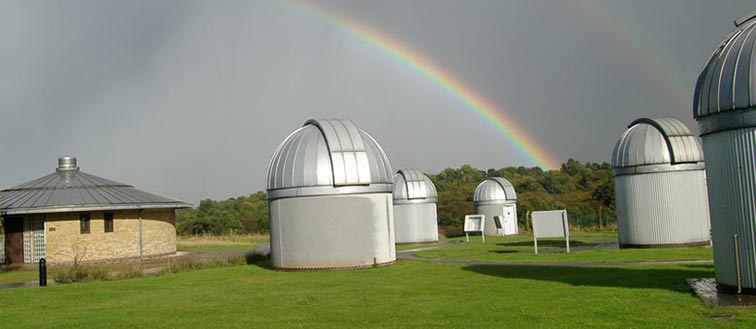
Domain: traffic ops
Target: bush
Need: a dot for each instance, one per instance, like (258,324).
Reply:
(81,274)
(255,257)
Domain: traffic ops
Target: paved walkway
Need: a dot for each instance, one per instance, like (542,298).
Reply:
(19,285)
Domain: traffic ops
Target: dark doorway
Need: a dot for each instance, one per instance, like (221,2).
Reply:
(14,240)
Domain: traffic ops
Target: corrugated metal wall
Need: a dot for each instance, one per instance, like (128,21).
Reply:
(663,208)
(731,168)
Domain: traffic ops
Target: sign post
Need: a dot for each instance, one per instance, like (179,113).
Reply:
(475,223)
(550,224)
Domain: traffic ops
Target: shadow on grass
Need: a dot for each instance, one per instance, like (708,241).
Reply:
(545,243)
(644,278)
(504,251)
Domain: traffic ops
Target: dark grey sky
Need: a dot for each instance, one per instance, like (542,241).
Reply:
(190,98)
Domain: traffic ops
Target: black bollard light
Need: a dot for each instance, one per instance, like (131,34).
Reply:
(42,272)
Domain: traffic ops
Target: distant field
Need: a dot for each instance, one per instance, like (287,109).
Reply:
(223,242)
(409,294)
(520,249)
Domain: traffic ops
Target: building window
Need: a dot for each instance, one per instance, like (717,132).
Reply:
(108,217)
(84,223)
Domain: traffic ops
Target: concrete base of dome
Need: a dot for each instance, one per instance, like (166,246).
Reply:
(668,245)
(491,210)
(325,269)
(415,223)
(332,232)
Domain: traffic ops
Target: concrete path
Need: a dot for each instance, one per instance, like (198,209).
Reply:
(19,285)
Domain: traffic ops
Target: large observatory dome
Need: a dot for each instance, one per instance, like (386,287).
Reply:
(324,155)
(329,196)
(656,144)
(725,107)
(725,94)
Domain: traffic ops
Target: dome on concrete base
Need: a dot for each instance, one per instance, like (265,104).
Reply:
(330,202)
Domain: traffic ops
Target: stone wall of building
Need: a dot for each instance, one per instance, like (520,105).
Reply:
(65,242)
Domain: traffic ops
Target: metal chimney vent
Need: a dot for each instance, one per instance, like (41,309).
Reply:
(67,163)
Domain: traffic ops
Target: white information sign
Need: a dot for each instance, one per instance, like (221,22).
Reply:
(550,224)
(475,223)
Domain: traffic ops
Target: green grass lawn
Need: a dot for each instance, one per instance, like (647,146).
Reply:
(520,249)
(18,276)
(409,294)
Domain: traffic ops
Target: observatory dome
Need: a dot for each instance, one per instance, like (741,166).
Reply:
(329,199)
(656,144)
(725,94)
(494,190)
(660,185)
(329,156)
(724,105)
(412,186)
(415,213)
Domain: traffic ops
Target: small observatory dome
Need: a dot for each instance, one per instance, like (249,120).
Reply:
(415,200)
(496,196)
(725,107)
(660,185)
(329,193)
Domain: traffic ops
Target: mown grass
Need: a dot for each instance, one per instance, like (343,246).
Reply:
(18,276)
(223,242)
(409,294)
(520,249)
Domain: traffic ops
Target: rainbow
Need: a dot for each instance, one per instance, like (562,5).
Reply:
(455,87)
(658,69)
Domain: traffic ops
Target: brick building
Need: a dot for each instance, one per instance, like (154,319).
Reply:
(72,216)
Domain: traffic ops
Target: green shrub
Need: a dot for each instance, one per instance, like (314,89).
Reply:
(255,257)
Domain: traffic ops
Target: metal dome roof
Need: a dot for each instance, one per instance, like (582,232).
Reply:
(69,189)
(725,94)
(328,156)
(494,190)
(656,144)
(412,186)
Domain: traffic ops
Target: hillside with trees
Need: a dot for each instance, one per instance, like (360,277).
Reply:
(586,190)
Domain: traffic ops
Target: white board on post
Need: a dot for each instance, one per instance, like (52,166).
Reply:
(550,224)
(475,223)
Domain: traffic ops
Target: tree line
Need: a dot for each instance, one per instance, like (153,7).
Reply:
(586,190)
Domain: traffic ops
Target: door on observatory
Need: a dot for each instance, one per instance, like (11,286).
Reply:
(510,221)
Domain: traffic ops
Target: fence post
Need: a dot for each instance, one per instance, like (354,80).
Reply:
(42,272)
